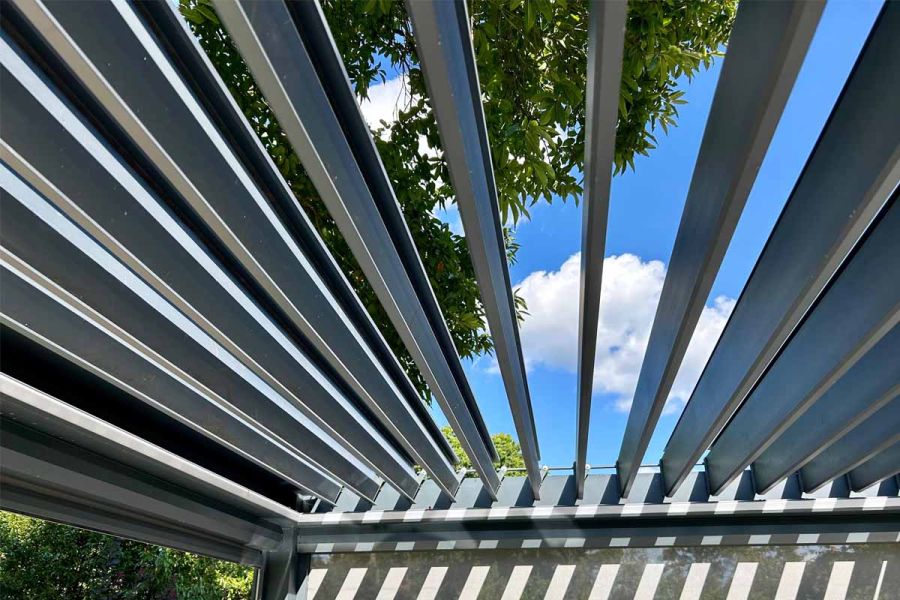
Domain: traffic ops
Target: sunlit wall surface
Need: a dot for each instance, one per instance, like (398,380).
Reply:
(782,572)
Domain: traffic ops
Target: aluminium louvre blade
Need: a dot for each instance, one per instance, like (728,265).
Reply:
(268,38)
(36,309)
(865,388)
(184,51)
(606,39)
(880,467)
(875,435)
(46,241)
(140,90)
(765,52)
(447,58)
(835,198)
(860,306)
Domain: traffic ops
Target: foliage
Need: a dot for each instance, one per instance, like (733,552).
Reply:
(531,58)
(44,560)
(508,451)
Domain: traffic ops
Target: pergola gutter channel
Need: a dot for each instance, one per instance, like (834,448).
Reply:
(444,45)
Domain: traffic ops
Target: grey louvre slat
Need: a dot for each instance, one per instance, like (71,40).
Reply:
(185,52)
(764,55)
(35,234)
(35,308)
(869,385)
(44,132)
(48,319)
(283,67)
(444,45)
(606,38)
(193,157)
(860,306)
(876,434)
(833,201)
(879,467)
(310,23)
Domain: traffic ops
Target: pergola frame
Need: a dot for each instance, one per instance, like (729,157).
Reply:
(185,364)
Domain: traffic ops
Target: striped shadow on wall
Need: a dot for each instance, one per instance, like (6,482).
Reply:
(687,573)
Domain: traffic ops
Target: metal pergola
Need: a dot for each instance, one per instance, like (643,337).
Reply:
(184,363)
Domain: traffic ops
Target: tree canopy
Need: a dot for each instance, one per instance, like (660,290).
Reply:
(40,560)
(531,57)
(508,451)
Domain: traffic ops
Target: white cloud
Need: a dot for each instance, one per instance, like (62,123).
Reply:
(385,101)
(630,294)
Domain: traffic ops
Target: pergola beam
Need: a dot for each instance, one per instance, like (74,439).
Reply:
(64,464)
(859,308)
(606,38)
(444,44)
(844,191)
(283,63)
(765,51)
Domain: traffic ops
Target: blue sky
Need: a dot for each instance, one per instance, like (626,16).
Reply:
(645,209)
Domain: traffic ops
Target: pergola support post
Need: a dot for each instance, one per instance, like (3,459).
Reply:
(284,574)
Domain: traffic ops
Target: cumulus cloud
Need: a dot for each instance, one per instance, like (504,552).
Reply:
(630,294)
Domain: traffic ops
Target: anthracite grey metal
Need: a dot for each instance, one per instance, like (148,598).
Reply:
(876,434)
(97,190)
(764,55)
(284,573)
(193,158)
(36,235)
(866,387)
(878,468)
(271,44)
(844,191)
(606,38)
(183,356)
(186,54)
(310,22)
(647,518)
(84,480)
(36,311)
(444,43)
(859,308)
